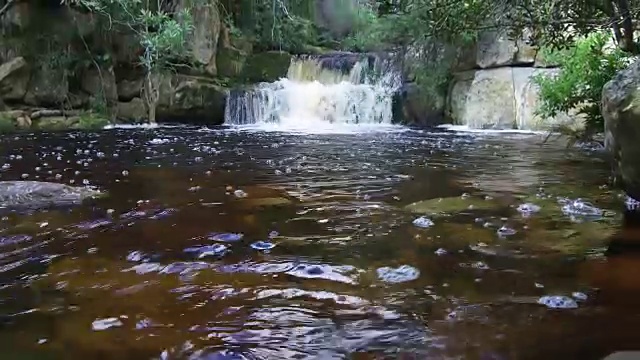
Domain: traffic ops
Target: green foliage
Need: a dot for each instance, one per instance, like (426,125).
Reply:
(559,24)
(7,125)
(91,121)
(161,35)
(586,66)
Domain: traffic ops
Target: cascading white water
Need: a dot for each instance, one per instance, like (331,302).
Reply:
(317,95)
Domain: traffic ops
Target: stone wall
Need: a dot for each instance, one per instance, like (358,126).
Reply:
(493,85)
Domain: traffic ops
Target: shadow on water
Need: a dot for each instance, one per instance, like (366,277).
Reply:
(179,262)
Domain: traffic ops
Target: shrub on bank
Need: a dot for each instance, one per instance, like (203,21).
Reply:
(586,66)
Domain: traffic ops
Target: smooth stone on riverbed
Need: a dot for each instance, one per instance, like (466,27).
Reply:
(38,194)
(580,238)
(450,205)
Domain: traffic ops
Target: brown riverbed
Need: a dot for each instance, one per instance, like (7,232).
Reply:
(112,280)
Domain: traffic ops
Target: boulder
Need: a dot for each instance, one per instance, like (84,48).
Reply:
(414,106)
(191,99)
(621,112)
(230,62)
(483,99)
(129,89)
(100,82)
(14,79)
(502,98)
(37,194)
(203,41)
(266,66)
(47,87)
(527,101)
(134,110)
(495,49)
(11,67)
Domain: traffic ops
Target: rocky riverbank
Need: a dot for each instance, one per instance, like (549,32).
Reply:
(96,76)
(82,76)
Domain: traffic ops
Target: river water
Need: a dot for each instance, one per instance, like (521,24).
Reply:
(163,268)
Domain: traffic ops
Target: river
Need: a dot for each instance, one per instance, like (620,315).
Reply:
(164,268)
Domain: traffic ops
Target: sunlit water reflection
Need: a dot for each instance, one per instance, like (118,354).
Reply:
(237,244)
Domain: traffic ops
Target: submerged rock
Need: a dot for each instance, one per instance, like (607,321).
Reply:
(450,205)
(39,194)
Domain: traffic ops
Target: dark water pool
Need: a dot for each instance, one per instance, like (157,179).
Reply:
(179,261)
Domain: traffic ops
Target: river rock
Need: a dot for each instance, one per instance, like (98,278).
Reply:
(621,112)
(38,194)
(450,205)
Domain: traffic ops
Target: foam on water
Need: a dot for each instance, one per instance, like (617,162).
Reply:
(466,128)
(318,99)
(139,126)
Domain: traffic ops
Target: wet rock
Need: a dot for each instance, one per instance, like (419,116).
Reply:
(414,107)
(266,66)
(36,194)
(192,100)
(450,205)
(260,196)
(621,112)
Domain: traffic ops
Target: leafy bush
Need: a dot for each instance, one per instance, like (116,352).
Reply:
(586,67)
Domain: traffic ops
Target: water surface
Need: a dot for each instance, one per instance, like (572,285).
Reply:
(164,267)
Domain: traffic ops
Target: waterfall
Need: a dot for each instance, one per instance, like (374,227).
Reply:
(322,91)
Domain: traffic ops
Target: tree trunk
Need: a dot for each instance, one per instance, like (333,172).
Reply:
(151,92)
(628,43)
(7,6)
(152,113)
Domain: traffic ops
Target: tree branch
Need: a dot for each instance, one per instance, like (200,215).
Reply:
(7,7)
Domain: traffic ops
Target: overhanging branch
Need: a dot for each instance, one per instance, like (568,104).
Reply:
(7,7)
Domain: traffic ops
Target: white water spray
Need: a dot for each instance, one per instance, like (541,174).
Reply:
(320,95)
